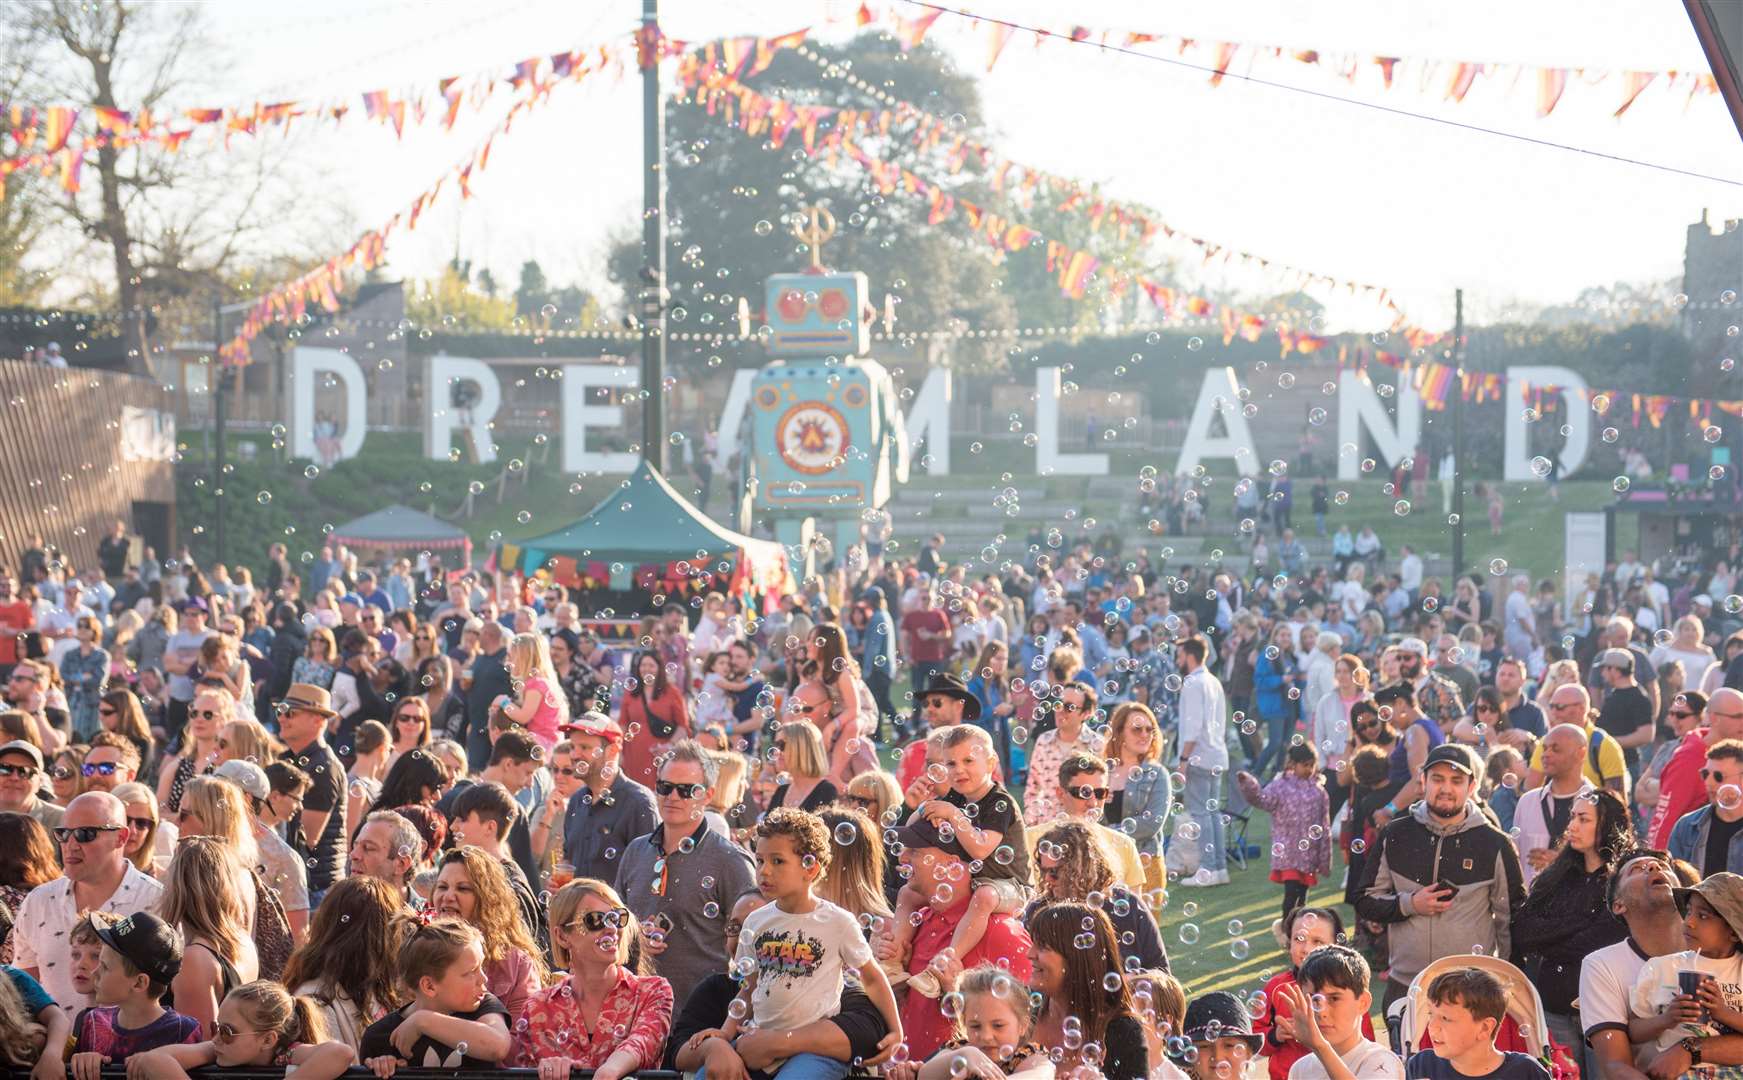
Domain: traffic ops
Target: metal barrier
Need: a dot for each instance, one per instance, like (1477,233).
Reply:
(119,1072)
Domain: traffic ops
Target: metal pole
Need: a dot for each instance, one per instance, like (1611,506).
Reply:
(221,416)
(653,294)
(1458,419)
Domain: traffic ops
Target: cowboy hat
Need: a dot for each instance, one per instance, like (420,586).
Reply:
(949,685)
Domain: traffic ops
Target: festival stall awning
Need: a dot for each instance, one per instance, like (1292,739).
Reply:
(646,535)
(402,527)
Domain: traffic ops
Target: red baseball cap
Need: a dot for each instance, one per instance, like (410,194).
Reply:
(593,723)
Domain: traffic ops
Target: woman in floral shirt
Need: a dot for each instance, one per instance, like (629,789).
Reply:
(603,1016)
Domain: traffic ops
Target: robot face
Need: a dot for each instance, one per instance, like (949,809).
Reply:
(817,314)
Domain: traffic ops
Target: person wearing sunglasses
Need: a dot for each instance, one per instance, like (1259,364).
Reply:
(1715,718)
(682,878)
(547,819)
(21,776)
(592,933)
(92,837)
(111,762)
(1712,837)
(1072,713)
(1083,796)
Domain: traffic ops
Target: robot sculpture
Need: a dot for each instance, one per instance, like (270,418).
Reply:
(827,438)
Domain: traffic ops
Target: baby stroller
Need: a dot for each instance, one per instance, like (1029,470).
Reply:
(1524,1030)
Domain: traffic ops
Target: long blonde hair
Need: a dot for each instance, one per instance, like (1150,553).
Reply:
(528,655)
(223,807)
(249,741)
(21,1038)
(200,897)
(143,860)
(805,756)
(734,777)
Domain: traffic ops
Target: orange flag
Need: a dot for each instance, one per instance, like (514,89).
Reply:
(1460,84)
(1551,82)
(1225,52)
(1001,35)
(1632,83)
(910,32)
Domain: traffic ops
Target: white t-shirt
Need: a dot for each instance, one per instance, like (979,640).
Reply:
(1656,985)
(1606,981)
(800,961)
(1368,1060)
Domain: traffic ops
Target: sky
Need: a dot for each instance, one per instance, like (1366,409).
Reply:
(1411,203)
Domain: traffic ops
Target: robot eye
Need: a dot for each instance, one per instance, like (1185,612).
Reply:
(833,304)
(791,305)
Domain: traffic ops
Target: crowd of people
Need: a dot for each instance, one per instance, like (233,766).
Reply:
(913,819)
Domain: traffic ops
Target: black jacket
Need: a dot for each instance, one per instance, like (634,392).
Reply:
(1561,923)
(289,641)
(490,681)
(1474,856)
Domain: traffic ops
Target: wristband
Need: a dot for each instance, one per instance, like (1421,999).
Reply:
(1392,809)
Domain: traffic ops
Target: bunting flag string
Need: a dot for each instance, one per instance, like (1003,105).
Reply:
(1453,79)
(42,138)
(1434,381)
(773,120)
(706,77)
(321,286)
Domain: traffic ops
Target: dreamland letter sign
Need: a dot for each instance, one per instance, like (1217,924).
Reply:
(1219,404)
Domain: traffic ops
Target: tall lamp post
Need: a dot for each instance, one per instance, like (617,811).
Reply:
(653,294)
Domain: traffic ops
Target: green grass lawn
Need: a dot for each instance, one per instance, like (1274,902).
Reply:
(1213,960)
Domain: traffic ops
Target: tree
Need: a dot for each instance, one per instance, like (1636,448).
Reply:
(173,224)
(577,309)
(451,302)
(487,283)
(732,200)
(533,292)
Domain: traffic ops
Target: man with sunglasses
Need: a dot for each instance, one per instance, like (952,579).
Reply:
(1712,837)
(682,878)
(98,877)
(1604,763)
(1083,794)
(20,776)
(945,702)
(112,761)
(1680,788)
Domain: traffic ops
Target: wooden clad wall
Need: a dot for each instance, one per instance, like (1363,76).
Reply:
(63,472)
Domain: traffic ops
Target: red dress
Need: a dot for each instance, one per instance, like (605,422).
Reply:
(641,741)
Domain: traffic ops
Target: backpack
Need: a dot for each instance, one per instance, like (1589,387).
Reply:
(1593,744)
(272,932)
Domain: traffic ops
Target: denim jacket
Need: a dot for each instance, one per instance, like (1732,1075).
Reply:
(1688,840)
(1148,795)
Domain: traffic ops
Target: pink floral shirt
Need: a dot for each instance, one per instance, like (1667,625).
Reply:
(1041,797)
(636,1016)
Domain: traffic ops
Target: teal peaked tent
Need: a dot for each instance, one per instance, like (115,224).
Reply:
(646,522)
